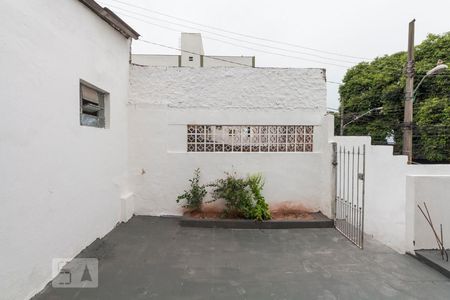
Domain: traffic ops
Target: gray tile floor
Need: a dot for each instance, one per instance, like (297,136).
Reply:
(151,257)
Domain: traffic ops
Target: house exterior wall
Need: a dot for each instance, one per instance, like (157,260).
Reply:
(60,182)
(387,194)
(228,61)
(192,46)
(163,101)
(156,60)
(160,60)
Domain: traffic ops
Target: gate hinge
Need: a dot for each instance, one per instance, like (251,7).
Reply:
(361,176)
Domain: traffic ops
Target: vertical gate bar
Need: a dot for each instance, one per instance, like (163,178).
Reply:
(342,183)
(334,145)
(338,184)
(363,195)
(348,193)
(357,199)
(345,191)
(353,193)
(343,196)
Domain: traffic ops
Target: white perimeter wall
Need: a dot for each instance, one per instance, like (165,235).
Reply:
(386,195)
(60,182)
(164,100)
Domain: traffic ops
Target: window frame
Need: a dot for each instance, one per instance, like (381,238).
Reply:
(88,107)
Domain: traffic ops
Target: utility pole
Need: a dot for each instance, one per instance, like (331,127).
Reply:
(408,115)
(342,116)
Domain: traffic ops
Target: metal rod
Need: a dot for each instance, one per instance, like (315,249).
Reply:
(431,225)
(442,241)
(353,192)
(344,194)
(363,195)
(357,198)
(348,195)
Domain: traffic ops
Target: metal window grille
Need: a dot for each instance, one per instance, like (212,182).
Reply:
(250,138)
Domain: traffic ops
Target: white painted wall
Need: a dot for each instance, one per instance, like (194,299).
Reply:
(60,183)
(164,100)
(434,190)
(227,61)
(386,190)
(192,46)
(155,60)
(161,60)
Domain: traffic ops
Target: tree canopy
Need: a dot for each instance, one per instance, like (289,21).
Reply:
(381,83)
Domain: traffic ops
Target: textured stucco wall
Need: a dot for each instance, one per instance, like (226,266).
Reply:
(60,182)
(224,88)
(164,100)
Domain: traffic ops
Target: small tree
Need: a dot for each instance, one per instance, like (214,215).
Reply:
(195,195)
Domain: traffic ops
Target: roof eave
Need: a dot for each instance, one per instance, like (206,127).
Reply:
(111,18)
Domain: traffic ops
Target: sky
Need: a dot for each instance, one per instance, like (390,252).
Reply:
(329,34)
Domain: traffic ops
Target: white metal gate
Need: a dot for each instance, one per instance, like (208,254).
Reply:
(350,181)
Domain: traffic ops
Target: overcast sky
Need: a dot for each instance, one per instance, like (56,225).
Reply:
(353,28)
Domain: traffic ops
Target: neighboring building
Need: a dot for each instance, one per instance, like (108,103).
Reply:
(192,55)
(63,134)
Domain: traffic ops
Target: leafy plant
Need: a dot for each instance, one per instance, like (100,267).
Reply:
(242,197)
(261,208)
(195,195)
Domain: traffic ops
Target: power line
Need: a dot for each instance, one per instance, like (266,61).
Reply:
(232,38)
(240,34)
(226,42)
(210,57)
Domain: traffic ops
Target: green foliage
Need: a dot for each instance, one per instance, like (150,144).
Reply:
(195,195)
(382,83)
(242,197)
(261,208)
(433,124)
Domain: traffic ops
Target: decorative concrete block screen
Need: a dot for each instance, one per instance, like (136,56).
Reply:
(250,138)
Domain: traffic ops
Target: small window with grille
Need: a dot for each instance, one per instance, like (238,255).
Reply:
(92,106)
(250,138)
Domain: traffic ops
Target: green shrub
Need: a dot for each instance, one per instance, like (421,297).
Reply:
(261,208)
(242,197)
(194,197)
